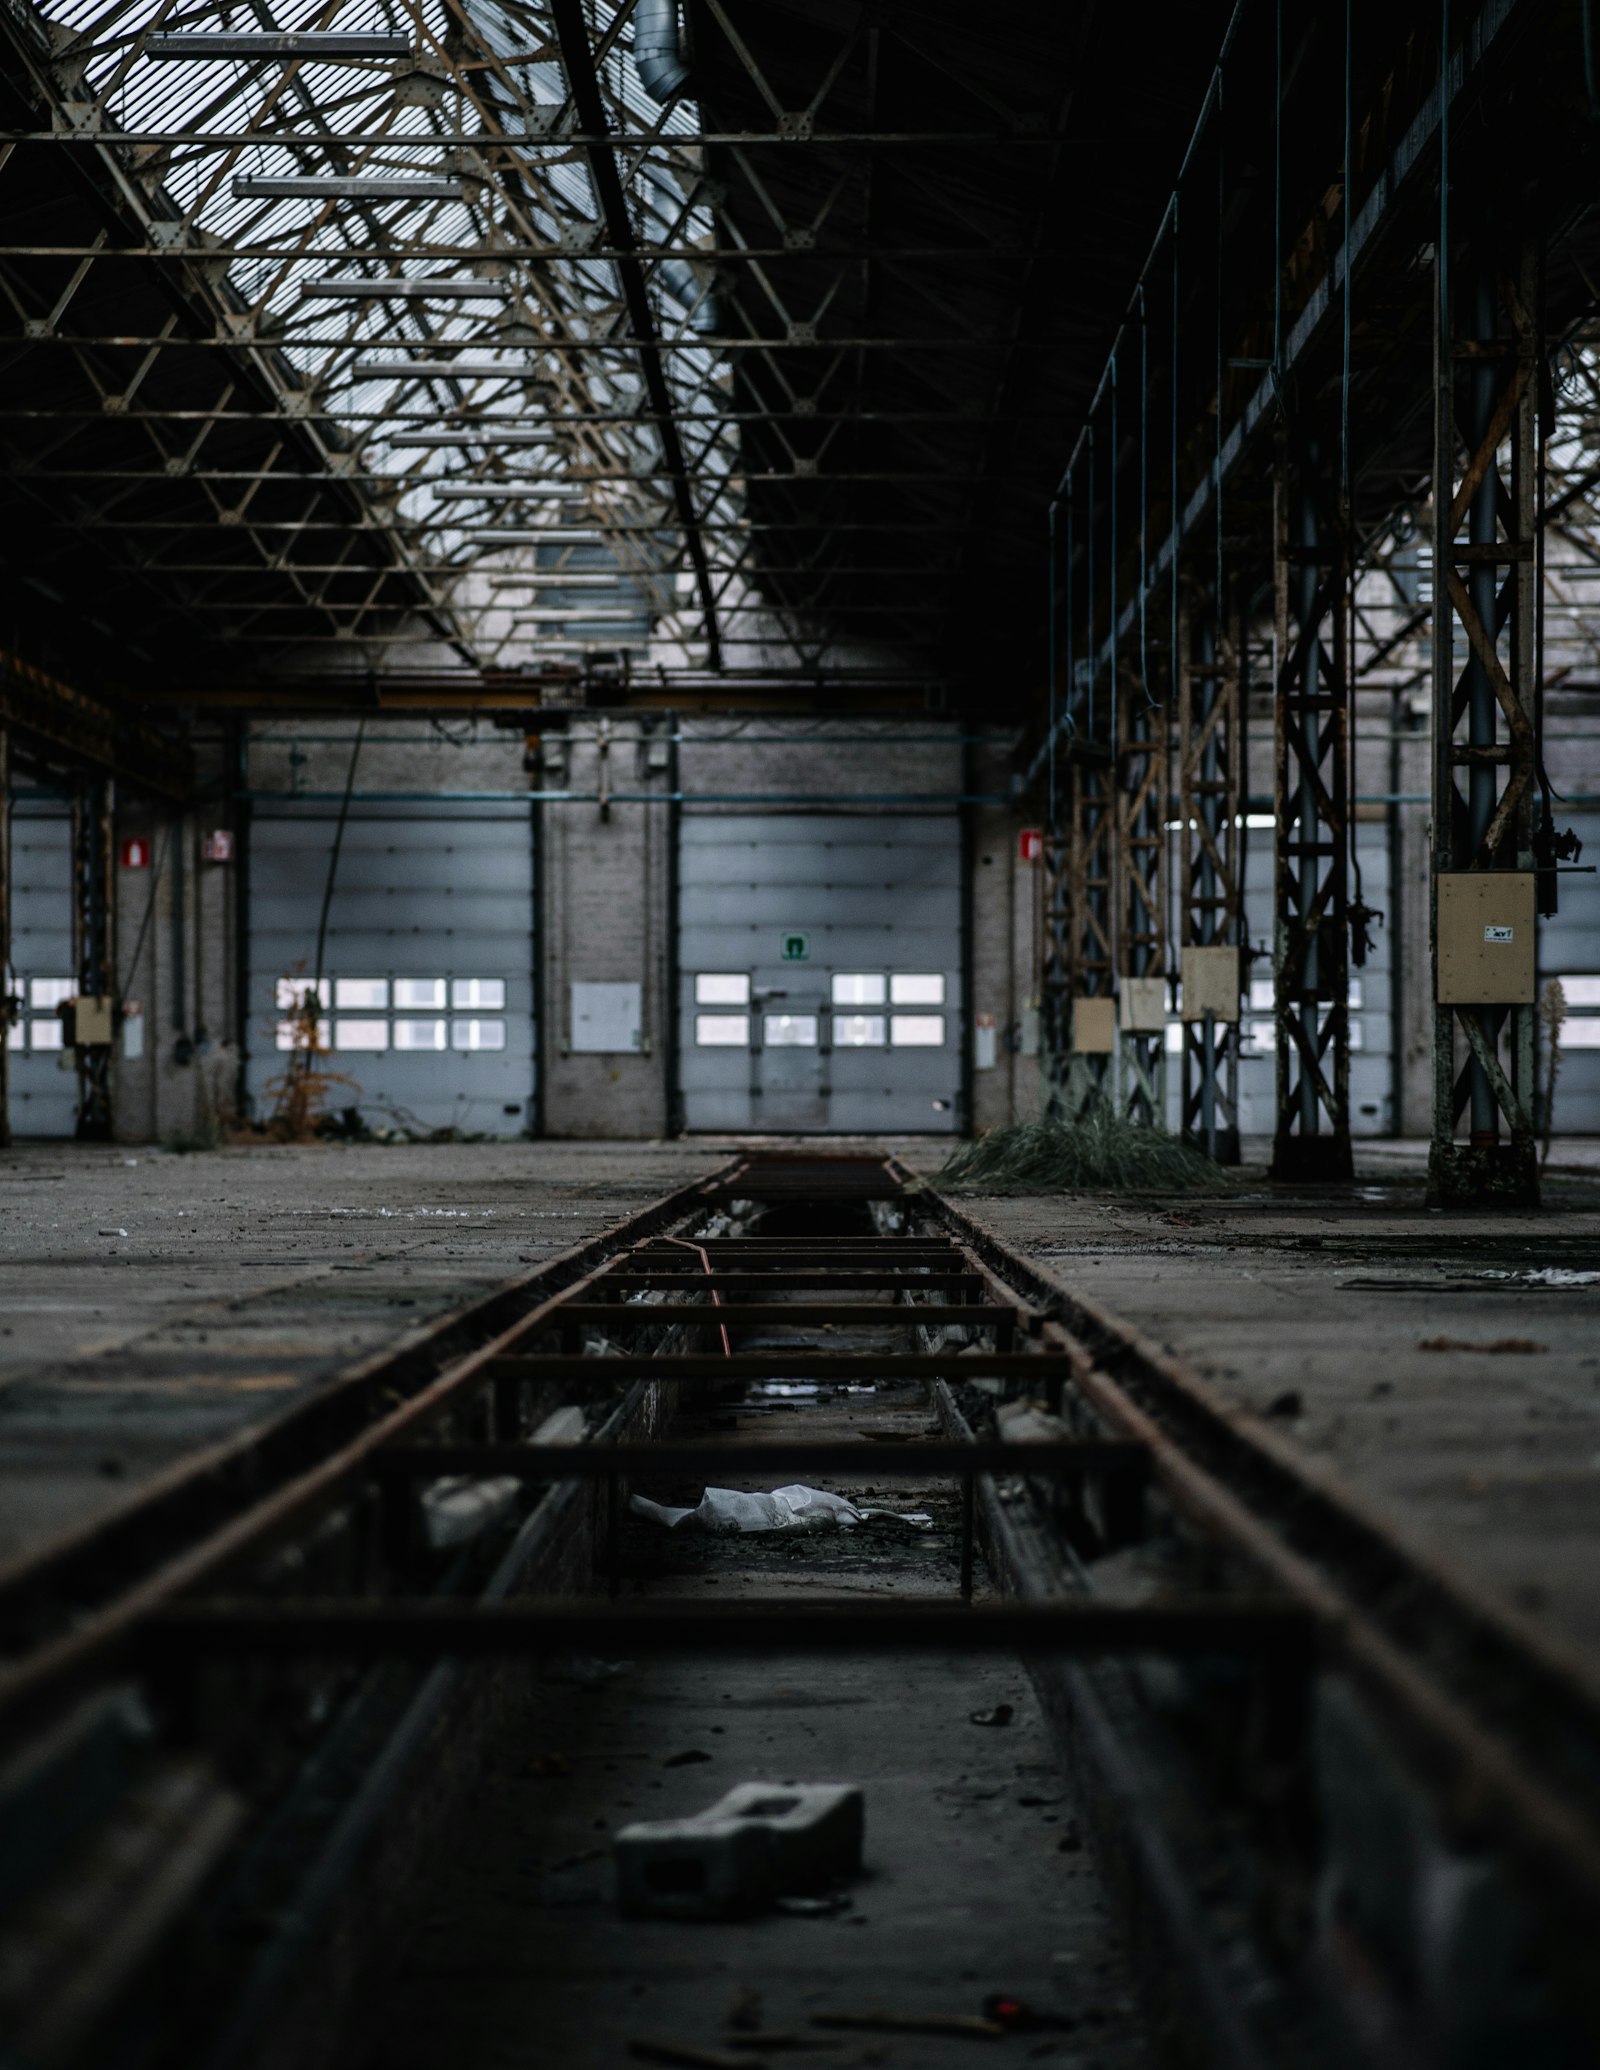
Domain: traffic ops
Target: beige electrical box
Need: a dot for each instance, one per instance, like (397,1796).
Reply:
(1142,1005)
(1211,983)
(1485,935)
(86,1021)
(1094,1026)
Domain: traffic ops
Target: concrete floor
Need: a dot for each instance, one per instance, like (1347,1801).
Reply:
(150,1303)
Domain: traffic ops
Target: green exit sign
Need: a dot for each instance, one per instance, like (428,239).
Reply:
(796,948)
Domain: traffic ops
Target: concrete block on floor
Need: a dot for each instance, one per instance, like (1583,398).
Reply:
(759,1842)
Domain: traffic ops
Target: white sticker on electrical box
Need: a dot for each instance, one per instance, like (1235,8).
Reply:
(1499,934)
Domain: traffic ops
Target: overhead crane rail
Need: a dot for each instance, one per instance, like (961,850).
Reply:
(290,1557)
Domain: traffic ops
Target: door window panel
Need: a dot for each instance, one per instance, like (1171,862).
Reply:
(478,1034)
(45,1035)
(916,1030)
(722,1030)
(293,992)
(722,988)
(418,995)
(489,994)
(361,1035)
(917,988)
(859,988)
(361,995)
(46,994)
(789,1030)
(859,1030)
(420,1034)
(292,1035)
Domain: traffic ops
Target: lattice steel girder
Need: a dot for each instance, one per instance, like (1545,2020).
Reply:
(94,942)
(1311,801)
(1139,801)
(1486,369)
(1211,737)
(78,730)
(1092,915)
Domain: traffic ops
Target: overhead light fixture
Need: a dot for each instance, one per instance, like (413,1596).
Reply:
(490,435)
(327,46)
(401,290)
(577,614)
(545,535)
(346,187)
(464,369)
(556,578)
(512,489)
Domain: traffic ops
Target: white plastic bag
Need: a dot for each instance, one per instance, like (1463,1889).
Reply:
(794,1508)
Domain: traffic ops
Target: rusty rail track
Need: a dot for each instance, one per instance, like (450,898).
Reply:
(1293,1579)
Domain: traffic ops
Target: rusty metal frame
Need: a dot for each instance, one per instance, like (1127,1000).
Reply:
(1311,800)
(1210,791)
(1487,361)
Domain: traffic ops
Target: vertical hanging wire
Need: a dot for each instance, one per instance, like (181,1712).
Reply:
(1088,644)
(1111,546)
(1072,666)
(1349,176)
(1277,209)
(1144,491)
(1221,364)
(1172,522)
(1050,671)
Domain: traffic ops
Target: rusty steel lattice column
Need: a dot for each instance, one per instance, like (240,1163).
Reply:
(1140,932)
(1211,865)
(1091,918)
(1485,743)
(1056,961)
(1311,801)
(7,1006)
(93,946)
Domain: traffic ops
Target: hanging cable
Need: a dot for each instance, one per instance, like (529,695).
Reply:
(1111,529)
(1050,667)
(333,860)
(1144,495)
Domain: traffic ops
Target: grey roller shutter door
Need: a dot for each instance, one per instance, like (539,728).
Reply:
(44,1096)
(861,896)
(422,894)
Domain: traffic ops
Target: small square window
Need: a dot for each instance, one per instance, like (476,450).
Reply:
(478,1034)
(360,1034)
(719,988)
(858,1030)
(1580,1034)
(859,988)
(917,988)
(722,1030)
(418,995)
(46,994)
(295,991)
(789,1030)
(1580,991)
(361,995)
(420,1034)
(488,994)
(44,1035)
(292,1035)
(1261,997)
(916,1030)
(16,1035)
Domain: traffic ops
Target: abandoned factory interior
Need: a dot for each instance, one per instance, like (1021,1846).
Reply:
(800,982)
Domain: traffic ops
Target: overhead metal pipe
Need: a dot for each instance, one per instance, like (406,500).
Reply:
(658,49)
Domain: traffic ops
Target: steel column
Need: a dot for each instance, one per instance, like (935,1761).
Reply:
(6,1005)
(1211,852)
(1487,355)
(1140,933)
(1091,867)
(1311,798)
(93,939)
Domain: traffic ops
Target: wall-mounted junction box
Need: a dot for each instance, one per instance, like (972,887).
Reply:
(1485,932)
(1211,982)
(1094,1026)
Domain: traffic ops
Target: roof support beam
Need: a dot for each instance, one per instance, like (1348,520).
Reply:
(583,81)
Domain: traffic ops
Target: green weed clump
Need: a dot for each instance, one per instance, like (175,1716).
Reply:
(1101,1151)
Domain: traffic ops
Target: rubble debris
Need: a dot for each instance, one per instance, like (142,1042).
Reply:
(757,1843)
(1495,1344)
(1017,2016)
(686,1759)
(794,1508)
(1288,1404)
(1002,1714)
